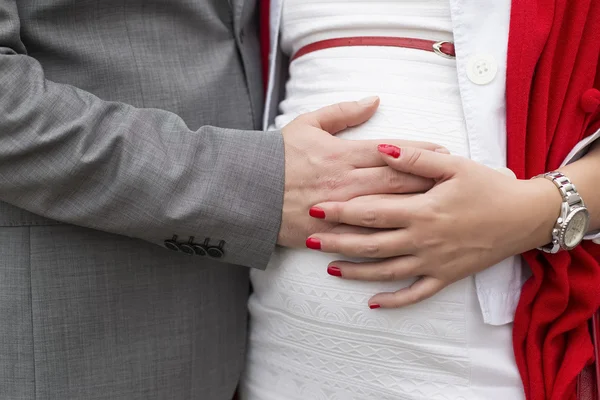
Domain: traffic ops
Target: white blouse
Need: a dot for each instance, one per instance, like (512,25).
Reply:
(480,31)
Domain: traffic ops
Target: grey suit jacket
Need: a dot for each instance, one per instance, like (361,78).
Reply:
(125,125)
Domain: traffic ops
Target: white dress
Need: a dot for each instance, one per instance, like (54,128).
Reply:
(312,336)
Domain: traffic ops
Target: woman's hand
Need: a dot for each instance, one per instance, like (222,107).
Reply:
(472,218)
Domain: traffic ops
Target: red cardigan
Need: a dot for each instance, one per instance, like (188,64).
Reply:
(553,101)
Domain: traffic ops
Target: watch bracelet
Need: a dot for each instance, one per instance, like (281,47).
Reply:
(570,196)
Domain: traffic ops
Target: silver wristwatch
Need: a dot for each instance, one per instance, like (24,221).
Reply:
(574,219)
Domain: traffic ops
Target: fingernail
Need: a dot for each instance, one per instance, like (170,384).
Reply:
(392,151)
(442,150)
(374,306)
(334,271)
(316,212)
(368,101)
(314,244)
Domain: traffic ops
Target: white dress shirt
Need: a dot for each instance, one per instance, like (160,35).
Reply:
(480,31)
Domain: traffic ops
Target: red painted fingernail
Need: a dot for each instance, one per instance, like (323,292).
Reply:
(316,212)
(374,306)
(392,151)
(314,244)
(334,271)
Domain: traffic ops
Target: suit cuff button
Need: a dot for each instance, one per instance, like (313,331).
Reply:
(187,249)
(201,249)
(169,244)
(216,251)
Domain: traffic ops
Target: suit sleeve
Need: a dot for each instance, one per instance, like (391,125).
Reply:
(70,156)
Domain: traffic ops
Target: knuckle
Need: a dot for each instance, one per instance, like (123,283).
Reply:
(370,250)
(369,218)
(387,274)
(413,157)
(420,239)
(339,109)
(393,273)
(396,180)
(333,183)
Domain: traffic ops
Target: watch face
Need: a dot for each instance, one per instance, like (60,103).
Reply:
(577,226)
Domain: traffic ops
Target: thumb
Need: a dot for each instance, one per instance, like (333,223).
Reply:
(438,165)
(337,117)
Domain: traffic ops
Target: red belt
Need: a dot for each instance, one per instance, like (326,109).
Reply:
(442,48)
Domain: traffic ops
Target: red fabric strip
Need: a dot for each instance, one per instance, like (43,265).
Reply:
(409,43)
(265,40)
(552,61)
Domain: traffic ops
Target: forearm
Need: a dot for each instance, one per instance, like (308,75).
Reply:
(70,156)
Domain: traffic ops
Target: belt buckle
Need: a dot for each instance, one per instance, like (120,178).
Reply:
(437,49)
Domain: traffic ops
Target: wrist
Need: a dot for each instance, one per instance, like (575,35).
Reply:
(542,205)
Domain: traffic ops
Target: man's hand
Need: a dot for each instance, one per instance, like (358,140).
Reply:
(320,167)
(472,218)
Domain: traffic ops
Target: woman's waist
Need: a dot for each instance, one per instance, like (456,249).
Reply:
(408,84)
(302,273)
(296,283)
(401,116)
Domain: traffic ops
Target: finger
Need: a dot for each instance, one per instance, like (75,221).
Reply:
(386,212)
(390,270)
(383,244)
(349,229)
(422,289)
(378,181)
(365,154)
(384,180)
(337,117)
(428,164)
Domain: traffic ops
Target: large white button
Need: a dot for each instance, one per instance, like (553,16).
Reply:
(482,69)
